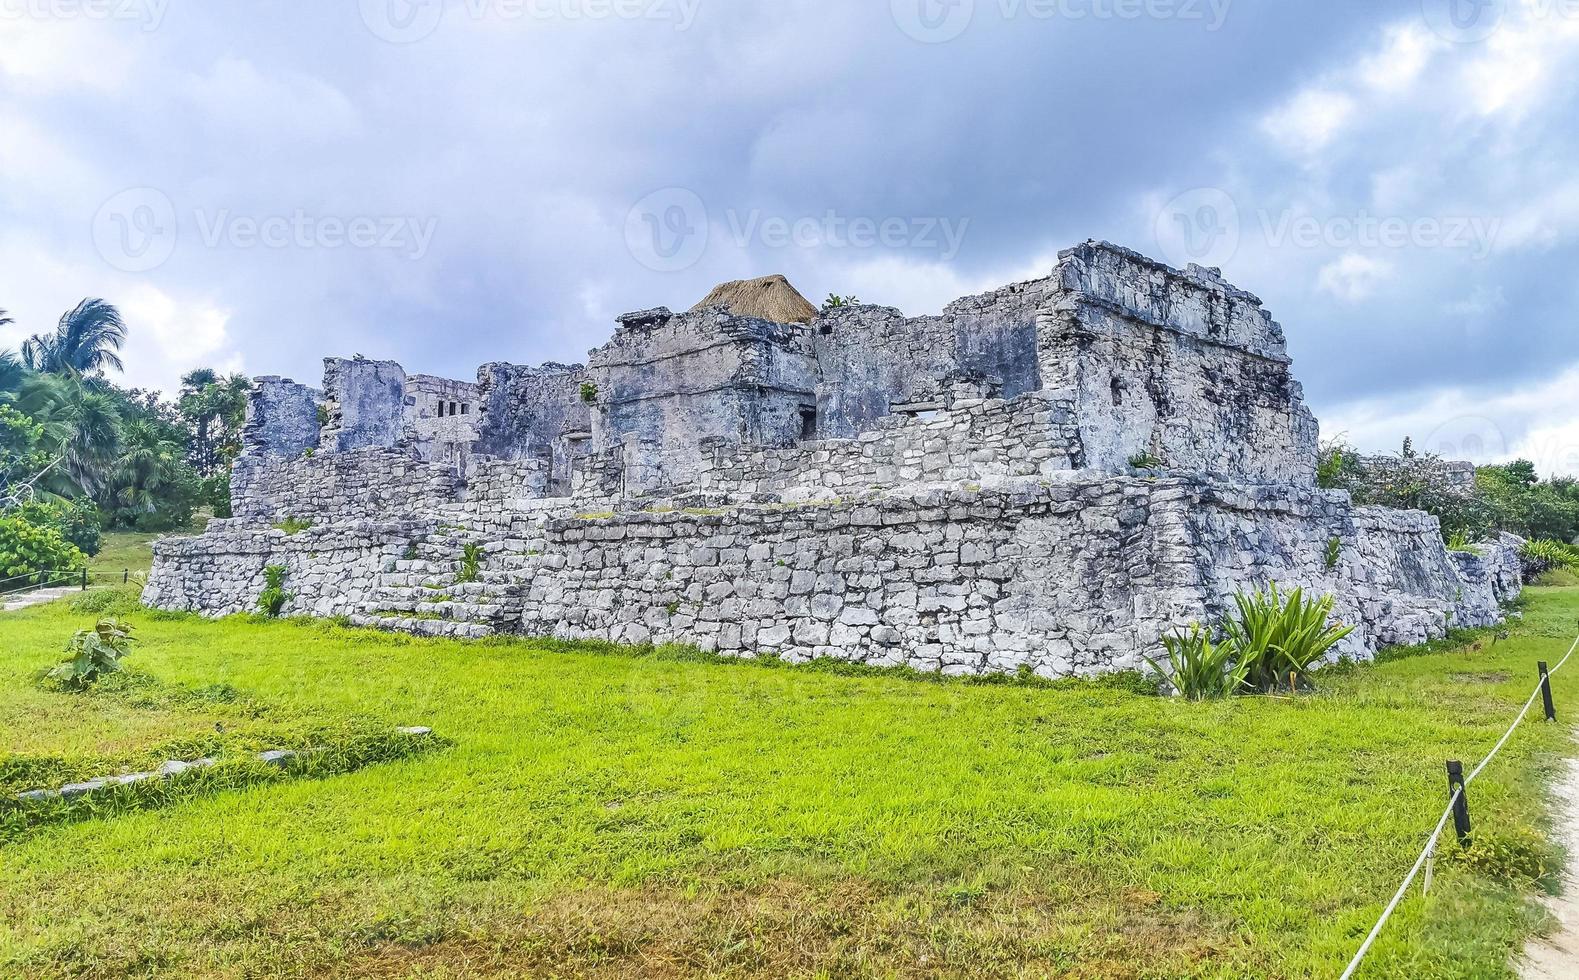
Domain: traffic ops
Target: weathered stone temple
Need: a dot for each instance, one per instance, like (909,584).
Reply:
(1052,475)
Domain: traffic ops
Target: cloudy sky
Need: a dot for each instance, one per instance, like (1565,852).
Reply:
(446,182)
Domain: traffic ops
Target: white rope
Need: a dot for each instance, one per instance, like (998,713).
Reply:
(1430,846)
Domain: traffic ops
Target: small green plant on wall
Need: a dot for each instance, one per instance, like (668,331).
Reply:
(1145,461)
(294,525)
(471,564)
(589,392)
(274,597)
(1334,552)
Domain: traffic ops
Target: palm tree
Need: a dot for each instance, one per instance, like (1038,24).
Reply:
(87,339)
(81,425)
(11,372)
(147,463)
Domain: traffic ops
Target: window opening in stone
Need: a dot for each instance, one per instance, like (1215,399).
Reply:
(808,423)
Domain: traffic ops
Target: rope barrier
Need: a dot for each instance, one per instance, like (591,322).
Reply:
(1430,848)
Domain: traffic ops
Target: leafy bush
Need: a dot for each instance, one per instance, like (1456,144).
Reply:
(274,597)
(1145,461)
(1334,552)
(1197,668)
(94,653)
(1459,541)
(589,392)
(471,563)
(1539,557)
(1277,638)
(835,301)
(27,548)
(78,521)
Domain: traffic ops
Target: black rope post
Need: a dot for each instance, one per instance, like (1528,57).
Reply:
(84,580)
(1455,782)
(126,576)
(1546,692)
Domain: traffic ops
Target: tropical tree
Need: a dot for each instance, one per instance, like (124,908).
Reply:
(150,465)
(81,428)
(11,372)
(214,408)
(88,339)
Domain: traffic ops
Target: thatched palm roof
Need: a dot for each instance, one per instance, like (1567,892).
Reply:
(770,298)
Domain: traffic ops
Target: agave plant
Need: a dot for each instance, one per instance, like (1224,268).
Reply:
(1199,669)
(1276,638)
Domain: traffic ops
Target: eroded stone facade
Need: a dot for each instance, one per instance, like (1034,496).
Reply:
(1051,475)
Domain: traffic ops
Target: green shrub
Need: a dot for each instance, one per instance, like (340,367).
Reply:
(94,653)
(27,548)
(835,302)
(1334,552)
(471,563)
(589,392)
(274,597)
(78,521)
(1145,461)
(294,525)
(1198,669)
(109,602)
(1277,638)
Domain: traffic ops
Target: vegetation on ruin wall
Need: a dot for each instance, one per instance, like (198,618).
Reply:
(659,812)
(79,454)
(1511,497)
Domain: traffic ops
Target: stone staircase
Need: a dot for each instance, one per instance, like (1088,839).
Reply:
(423,593)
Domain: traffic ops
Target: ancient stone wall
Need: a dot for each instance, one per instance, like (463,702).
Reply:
(1032,435)
(282,418)
(366,402)
(1179,366)
(671,380)
(440,419)
(1070,575)
(536,412)
(362,485)
(871,358)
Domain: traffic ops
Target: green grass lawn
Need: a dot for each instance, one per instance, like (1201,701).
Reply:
(127,551)
(607,814)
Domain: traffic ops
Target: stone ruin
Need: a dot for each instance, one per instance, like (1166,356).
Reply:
(1048,476)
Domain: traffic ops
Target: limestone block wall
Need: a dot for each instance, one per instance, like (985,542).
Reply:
(1178,365)
(439,419)
(331,569)
(366,402)
(361,485)
(1032,435)
(1070,575)
(535,412)
(282,418)
(673,379)
(872,357)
